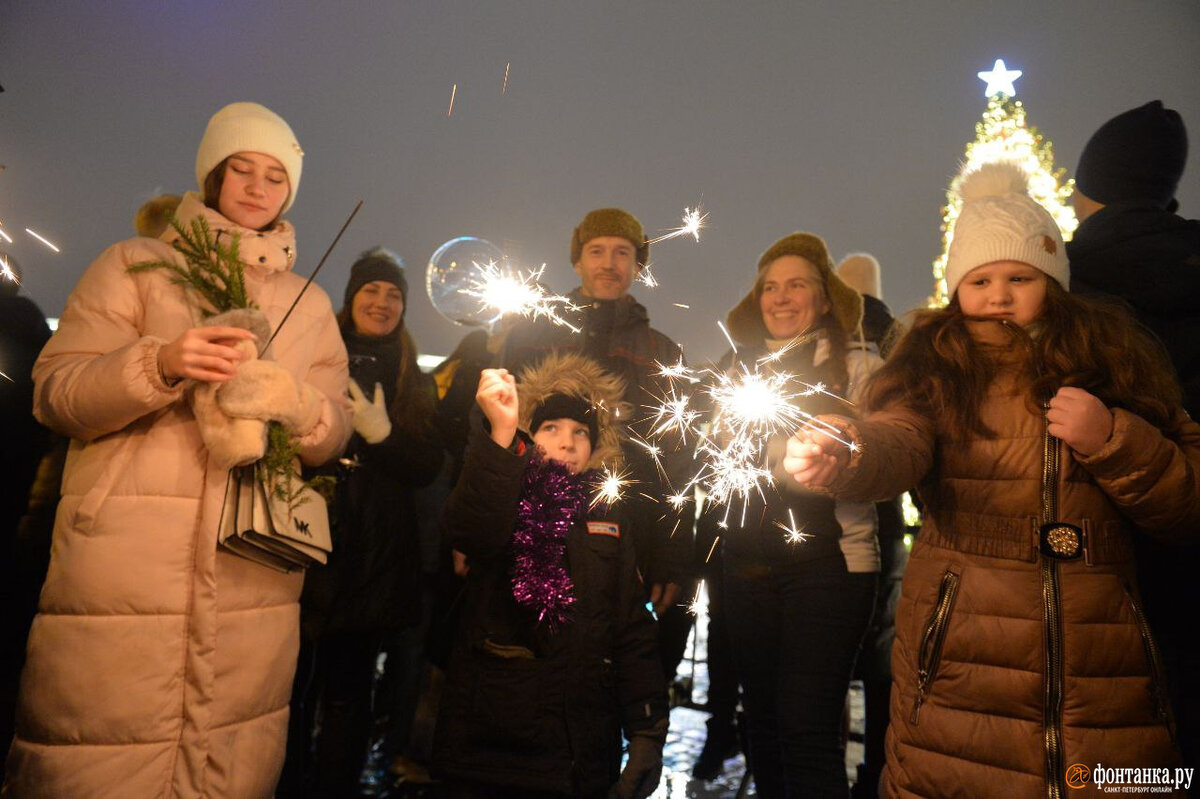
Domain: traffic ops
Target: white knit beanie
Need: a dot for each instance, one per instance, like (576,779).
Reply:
(250,128)
(999,221)
(860,271)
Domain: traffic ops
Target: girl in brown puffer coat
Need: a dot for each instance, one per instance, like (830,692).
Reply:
(1043,432)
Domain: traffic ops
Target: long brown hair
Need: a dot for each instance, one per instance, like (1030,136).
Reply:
(412,409)
(939,369)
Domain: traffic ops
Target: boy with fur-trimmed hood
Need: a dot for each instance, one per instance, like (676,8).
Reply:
(556,652)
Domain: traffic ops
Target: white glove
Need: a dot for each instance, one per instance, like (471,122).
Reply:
(370,417)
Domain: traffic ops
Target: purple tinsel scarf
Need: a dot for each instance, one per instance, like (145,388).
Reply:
(552,500)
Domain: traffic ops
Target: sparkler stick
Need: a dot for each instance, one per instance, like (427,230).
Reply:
(308,283)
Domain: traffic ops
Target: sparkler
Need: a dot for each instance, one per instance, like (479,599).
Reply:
(646,277)
(6,271)
(749,406)
(693,221)
(5,236)
(608,488)
(695,606)
(42,239)
(509,292)
(504,85)
(453,91)
(793,534)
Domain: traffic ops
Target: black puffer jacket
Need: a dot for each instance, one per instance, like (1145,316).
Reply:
(526,706)
(617,335)
(372,580)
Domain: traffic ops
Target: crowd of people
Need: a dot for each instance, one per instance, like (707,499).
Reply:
(478,576)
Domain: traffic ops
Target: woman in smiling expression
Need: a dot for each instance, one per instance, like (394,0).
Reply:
(369,596)
(797,611)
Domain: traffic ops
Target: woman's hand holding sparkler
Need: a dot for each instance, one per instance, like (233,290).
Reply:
(814,459)
(497,397)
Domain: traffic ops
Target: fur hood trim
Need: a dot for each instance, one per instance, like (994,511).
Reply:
(579,376)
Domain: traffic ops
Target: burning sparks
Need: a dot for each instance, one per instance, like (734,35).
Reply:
(748,406)
(792,534)
(6,271)
(504,85)
(646,277)
(693,221)
(42,239)
(5,236)
(453,91)
(508,292)
(608,488)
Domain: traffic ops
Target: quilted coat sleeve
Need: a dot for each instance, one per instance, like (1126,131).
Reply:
(329,374)
(893,451)
(99,371)
(1153,476)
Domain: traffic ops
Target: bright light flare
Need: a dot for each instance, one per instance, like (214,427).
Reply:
(5,236)
(509,292)
(6,271)
(608,488)
(692,223)
(793,534)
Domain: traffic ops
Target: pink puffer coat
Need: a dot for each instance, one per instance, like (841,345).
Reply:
(158,665)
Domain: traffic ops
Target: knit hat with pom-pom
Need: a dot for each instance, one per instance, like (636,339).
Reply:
(999,221)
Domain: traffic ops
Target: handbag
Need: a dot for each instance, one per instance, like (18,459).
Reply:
(281,525)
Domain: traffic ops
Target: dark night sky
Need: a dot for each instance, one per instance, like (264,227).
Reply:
(843,118)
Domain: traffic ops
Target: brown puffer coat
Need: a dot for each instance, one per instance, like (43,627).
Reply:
(1010,666)
(158,665)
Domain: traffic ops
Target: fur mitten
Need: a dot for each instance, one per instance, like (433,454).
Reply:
(231,441)
(265,390)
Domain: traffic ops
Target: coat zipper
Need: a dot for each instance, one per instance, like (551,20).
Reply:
(933,639)
(1153,660)
(1052,613)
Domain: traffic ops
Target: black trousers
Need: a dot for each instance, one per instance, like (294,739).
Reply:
(795,633)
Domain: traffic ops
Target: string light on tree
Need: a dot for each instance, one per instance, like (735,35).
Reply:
(1002,134)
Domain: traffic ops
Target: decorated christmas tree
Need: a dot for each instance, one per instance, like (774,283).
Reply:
(1003,135)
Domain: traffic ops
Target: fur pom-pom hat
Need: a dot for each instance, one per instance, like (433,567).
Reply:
(745,321)
(999,221)
(250,128)
(610,222)
(568,374)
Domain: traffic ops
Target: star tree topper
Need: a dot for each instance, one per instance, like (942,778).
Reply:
(1000,79)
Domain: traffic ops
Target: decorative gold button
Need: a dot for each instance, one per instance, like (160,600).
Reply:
(1063,540)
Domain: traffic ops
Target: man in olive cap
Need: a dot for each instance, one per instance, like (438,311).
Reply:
(608,249)
(1130,243)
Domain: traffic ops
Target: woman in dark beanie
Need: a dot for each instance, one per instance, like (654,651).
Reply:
(797,611)
(371,586)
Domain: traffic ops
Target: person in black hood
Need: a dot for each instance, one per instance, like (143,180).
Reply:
(555,653)
(371,587)
(1132,244)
